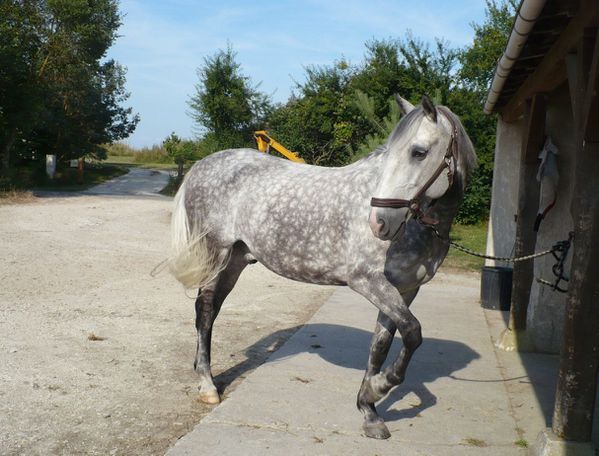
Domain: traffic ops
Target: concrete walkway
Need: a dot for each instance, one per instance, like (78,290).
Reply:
(460,397)
(138,181)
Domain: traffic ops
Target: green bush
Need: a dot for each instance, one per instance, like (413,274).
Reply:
(22,177)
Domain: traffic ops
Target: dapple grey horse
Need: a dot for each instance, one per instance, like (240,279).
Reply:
(379,226)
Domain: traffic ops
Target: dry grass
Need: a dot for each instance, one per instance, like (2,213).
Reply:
(16,197)
(93,337)
(475,442)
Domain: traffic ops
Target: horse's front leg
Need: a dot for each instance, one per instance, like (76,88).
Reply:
(394,313)
(379,347)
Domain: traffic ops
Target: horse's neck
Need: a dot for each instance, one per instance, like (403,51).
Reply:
(368,171)
(446,208)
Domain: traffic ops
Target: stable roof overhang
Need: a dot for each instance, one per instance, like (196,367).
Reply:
(544,32)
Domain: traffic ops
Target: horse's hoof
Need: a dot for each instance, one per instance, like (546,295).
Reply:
(376,430)
(210,397)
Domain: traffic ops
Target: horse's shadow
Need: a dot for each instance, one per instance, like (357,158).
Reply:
(348,347)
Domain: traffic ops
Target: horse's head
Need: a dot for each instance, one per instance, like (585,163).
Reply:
(422,160)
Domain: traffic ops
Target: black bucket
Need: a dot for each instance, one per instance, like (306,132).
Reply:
(496,287)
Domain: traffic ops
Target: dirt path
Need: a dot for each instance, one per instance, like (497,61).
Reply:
(137,181)
(96,355)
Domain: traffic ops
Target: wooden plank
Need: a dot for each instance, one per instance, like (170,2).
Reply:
(550,72)
(590,110)
(571,62)
(579,361)
(528,206)
(578,67)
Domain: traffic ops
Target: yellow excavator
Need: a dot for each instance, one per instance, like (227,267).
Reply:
(266,143)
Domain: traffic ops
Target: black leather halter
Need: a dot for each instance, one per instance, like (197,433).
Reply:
(414,204)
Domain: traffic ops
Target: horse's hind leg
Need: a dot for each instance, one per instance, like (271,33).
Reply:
(208,304)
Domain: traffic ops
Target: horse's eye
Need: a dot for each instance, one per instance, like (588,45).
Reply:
(419,153)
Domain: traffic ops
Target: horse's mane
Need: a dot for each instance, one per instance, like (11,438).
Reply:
(467,160)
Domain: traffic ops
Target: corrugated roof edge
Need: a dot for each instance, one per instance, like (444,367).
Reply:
(527,16)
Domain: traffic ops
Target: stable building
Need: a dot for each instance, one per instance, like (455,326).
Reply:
(545,186)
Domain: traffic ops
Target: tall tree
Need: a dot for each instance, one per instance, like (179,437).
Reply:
(318,122)
(58,95)
(478,61)
(20,93)
(381,74)
(337,111)
(477,66)
(226,104)
(428,71)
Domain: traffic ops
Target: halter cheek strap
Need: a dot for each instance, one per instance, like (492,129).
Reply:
(414,204)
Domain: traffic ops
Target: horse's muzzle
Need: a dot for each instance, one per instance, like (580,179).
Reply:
(388,223)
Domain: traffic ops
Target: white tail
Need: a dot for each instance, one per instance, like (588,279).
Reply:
(193,262)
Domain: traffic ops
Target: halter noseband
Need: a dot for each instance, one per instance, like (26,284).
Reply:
(414,204)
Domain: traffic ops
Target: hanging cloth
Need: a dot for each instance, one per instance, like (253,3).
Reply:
(548,176)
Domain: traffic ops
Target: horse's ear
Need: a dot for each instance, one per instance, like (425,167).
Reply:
(404,105)
(429,108)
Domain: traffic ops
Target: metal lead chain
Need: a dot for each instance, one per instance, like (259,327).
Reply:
(560,254)
(457,246)
(559,251)
(560,246)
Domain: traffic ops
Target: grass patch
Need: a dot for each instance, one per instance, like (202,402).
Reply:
(522,443)
(475,442)
(119,160)
(472,236)
(128,160)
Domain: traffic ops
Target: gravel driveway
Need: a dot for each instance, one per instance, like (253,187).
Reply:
(95,354)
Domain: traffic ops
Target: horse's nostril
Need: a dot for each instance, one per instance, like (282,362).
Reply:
(383,228)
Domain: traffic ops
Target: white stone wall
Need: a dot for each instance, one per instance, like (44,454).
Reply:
(504,197)
(546,307)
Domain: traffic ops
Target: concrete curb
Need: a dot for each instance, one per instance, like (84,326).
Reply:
(456,399)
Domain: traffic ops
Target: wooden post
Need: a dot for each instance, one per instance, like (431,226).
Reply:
(80,165)
(577,381)
(528,205)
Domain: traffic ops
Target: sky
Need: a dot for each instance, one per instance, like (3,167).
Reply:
(162,43)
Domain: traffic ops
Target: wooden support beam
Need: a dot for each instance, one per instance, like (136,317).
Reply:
(577,380)
(578,66)
(579,362)
(550,73)
(590,113)
(528,205)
